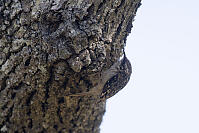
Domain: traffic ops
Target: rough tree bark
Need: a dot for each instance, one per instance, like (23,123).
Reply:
(52,48)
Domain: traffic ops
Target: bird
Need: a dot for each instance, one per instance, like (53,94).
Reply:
(111,81)
(119,80)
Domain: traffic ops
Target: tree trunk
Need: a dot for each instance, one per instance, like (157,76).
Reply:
(50,49)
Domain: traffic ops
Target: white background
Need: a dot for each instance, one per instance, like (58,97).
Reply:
(163,93)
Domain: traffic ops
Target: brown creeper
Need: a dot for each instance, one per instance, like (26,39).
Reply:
(112,80)
(118,81)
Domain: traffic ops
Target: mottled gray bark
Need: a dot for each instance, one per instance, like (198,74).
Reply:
(53,48)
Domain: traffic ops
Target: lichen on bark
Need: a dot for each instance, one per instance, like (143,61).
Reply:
(52,48)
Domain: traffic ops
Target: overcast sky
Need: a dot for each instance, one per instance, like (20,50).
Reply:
(163,93)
